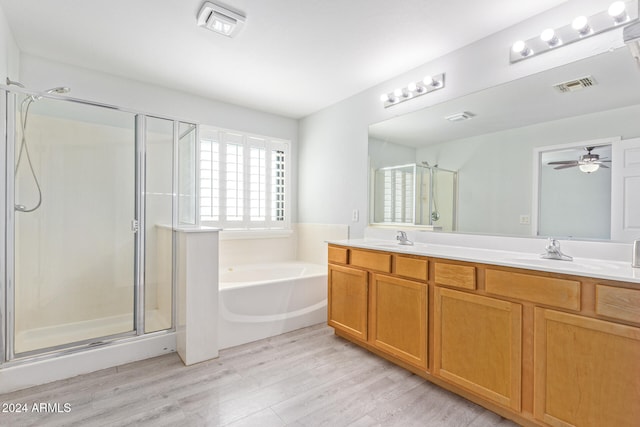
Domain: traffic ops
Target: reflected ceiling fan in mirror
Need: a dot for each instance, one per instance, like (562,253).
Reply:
(587,162)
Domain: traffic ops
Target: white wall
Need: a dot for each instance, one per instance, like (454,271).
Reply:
(9,52)
(333,142)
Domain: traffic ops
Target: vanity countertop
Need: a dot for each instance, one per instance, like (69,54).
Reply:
(588,267)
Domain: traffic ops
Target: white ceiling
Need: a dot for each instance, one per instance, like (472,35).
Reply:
(292,58)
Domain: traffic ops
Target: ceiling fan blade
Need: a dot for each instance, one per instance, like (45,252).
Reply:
(566,166)
(604,166)
(565,162)
(604,161)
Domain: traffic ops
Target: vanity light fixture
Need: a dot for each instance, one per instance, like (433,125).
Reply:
(620,13)
(521,48)
(412,90)
(581,25)
(550,38)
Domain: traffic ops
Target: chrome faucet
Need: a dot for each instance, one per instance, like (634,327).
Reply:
(402,238)
(553,251)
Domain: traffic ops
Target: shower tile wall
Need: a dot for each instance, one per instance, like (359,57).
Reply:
(70,157)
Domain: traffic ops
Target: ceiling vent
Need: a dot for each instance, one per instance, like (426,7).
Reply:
(577,84)
(220,19)
(459,117)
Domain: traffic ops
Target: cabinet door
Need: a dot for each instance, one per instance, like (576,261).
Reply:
(477,344)
(348,296)
(587,371)
(399,319)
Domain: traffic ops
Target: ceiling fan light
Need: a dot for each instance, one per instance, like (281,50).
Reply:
(589,167)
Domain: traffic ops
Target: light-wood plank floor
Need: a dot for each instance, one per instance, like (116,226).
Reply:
(307,377)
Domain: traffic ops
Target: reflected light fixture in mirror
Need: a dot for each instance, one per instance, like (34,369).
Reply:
(412,90)
(620,13)
(581,25)
(589,167)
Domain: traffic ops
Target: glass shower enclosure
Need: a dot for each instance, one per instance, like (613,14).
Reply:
(88,187)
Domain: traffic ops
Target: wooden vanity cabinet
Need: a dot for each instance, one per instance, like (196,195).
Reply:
(478,343)
(370,302)
(398,318)
(540,348)
(587,371)
(348,300)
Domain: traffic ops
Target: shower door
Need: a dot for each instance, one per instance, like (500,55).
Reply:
(74,239)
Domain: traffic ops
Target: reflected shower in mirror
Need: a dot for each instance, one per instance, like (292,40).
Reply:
(494,149)
(416,194)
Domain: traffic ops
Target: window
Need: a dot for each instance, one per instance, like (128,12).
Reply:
(243,180)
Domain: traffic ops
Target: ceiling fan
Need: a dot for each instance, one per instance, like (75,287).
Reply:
(587,162)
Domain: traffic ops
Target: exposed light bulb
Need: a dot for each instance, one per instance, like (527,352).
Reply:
(428,80)
(413,87)
(618,11)
(521,48)
(400,93)
(581,25)
(549,37)
(385,97)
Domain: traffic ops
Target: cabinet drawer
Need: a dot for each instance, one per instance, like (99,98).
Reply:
(414,268)
(560,293)
(378,261)
(460,276)
(338,255)
(618,303)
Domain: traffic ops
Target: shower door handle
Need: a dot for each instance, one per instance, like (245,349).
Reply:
(134,225)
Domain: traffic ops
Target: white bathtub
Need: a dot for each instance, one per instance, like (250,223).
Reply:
(263,300)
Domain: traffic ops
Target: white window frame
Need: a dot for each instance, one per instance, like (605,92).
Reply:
(247,141)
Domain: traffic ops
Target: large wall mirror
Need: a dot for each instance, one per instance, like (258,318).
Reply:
(500,154)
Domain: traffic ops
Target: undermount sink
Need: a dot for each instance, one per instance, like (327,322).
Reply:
(573,265)
(392,245)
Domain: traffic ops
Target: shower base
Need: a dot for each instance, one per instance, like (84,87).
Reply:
(66,333)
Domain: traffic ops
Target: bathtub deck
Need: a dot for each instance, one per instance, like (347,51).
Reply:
(307,377)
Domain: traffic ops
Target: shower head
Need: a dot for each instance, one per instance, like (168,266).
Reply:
(59,89)
(13,82)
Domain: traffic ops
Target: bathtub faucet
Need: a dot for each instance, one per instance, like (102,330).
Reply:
(402,239)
